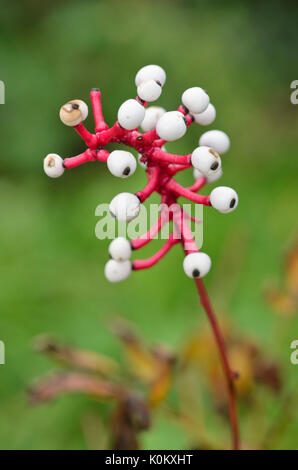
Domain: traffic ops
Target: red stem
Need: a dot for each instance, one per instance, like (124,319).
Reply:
(87,156)
(90,139)
(179,190)
(153,174)
(198,184)
(228,372)
(149,262)
(110,135)
(154,230)
(160,156)
(95,96)
(186,237)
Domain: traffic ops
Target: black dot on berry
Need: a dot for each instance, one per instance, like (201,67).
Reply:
(196,273)
(214,166)
(126,171)
(232,203)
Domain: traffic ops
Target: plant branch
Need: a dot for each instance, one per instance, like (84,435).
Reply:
(229,374)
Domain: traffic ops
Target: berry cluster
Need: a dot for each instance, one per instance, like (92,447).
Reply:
(159,127)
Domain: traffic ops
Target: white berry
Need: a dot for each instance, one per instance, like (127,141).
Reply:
(125,207)
(196,265)
(210,178)
(171,126)
(121,163)
(224,199)
(73,112)
(120,249)
(117,271)
(130,114)
(195,100)
(206,117)
(149,91)
(218,140)
(150,72)
(152,114)
(53,165)
(206,160)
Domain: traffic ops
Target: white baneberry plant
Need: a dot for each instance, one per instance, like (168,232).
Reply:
(159,127)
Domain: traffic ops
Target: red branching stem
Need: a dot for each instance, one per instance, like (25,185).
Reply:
(192,218)
(149,137)
(228,372)
(198,184)
(87,156)
(141,241)
(206,304)
(110,135)
(89,139)
(179,190)
(102,155)
(158,155)
(159,142)
(95,96)
(175,168)
(149,262)
(184,232)
(153,174)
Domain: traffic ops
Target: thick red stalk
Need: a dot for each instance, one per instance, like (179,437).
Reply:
(189,247)
(228,372)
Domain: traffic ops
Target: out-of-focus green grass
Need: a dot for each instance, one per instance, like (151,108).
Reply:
(51,262)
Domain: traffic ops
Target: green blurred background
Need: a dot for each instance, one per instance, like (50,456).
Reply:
(245,55)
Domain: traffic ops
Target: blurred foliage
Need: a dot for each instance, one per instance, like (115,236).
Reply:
(244,54)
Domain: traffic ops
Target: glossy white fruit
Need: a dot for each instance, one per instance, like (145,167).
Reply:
(130,114)
(210,178)
(149,91)
(206,117)
(120,249)
(206,160)
(218,140)
(150,72)
(195,100)
(152,114)
(121,163)
(224,199)
(196,265)
(53,165)
(125,207)
(73,112)
(171,126)
(117,271)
